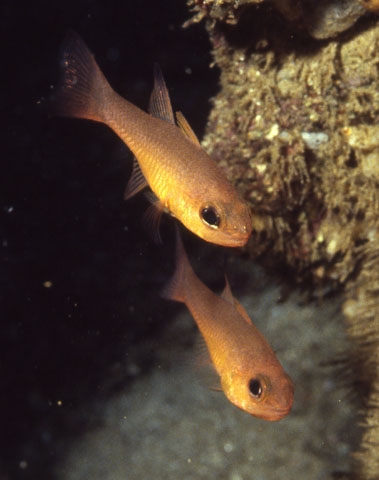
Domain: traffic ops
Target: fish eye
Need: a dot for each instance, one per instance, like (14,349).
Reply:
(255,388)
(210,216)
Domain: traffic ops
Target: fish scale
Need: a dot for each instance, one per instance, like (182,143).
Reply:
(251,376)
(179,172)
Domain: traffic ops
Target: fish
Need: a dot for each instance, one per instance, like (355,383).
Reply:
(186,182)
(372,5)
(250,374)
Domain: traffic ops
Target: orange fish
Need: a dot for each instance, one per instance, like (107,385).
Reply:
(251,375)
(168,157)
(372,5)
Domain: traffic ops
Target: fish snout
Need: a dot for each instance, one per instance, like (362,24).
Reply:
(243,225)
(241,234)
(279,400)
(284,401)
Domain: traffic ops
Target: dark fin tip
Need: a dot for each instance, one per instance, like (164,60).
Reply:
(74,95)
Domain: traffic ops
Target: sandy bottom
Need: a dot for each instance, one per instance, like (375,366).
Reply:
(169,425)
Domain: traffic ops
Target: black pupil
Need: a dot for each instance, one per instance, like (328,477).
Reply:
(210,216)
(255,388)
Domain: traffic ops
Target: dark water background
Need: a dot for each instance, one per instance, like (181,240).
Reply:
(79,275)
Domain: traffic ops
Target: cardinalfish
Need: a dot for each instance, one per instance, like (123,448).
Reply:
(251,376)
(169,159)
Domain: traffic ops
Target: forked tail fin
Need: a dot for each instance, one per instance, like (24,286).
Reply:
(83,89)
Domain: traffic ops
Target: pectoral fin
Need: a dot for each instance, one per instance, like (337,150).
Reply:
(152,216)
(205,369)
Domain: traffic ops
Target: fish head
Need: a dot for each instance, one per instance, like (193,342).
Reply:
(223,221)
(268,396)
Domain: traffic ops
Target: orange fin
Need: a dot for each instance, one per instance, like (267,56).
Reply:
(208,378)
(83,87)
(216,387)
(152,216)
(228,296)
(241,310)
(227,293)
(137,181)
(175,289)
(160,104)
(204,367)
(186,128)
(203,359)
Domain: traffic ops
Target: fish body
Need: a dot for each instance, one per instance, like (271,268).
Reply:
(184,178)
(250,374)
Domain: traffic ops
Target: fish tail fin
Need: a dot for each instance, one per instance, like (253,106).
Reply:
(83,88)
(176,287)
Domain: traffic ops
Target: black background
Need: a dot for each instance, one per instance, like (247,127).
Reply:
(79,275)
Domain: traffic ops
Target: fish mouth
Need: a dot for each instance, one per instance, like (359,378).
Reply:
(276,411)
(240,242)
(274,414)
(227,240)
(237,238)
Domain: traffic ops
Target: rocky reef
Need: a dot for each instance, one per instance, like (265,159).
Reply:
(295,125)
(322,19)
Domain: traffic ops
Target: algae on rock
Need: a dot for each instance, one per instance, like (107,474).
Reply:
(296,127)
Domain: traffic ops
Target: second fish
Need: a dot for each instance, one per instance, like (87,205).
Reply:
(250,373)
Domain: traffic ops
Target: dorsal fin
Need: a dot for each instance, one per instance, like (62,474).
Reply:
(136,182)
(227,295)
(160,104)
(240,309)
(186,128)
